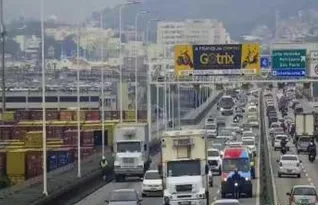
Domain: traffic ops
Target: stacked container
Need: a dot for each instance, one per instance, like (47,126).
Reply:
(6,132)
(87,138)
(3,165)
(92,116)
(70,138)
(24,164)
(66,115)
(59,157)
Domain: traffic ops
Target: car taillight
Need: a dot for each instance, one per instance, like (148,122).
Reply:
(280,164)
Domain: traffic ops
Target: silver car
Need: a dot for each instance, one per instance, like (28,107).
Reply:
(124,197)
(302,143)
(303,194)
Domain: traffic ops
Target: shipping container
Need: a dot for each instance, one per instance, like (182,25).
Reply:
(16,179)
(70,137)
(21,115)
(59,157)
(18,132)
(5,132)
(108,115)
(87,138)
(34,139)
(142,114)
(115,115)
(3,159)
(82,115)
(66,115)
(109,128)
(24,162)
(36,115)
(55,131)
(98,137)
(52,115)
(85,152)
(92,115)
(8,116)
(129,115)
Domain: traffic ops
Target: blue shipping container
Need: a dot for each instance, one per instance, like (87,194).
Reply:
(59,158)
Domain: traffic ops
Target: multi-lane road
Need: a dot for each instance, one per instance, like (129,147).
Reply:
(281,186)
(102,194)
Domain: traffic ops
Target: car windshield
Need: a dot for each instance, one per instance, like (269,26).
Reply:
(275,125)
(242,164)
(248,134)
(305,191)
(123,196)
(248,142)
(289,158)
(304,139)
(152,175)
(210,127)
(213,153)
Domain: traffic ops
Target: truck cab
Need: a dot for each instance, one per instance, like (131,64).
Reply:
(184,167)
(131,153)
(236,158)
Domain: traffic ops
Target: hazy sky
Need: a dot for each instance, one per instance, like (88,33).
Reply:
(67,10)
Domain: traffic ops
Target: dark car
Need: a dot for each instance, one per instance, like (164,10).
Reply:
(124,197)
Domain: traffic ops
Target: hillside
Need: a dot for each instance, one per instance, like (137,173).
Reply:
(239,16)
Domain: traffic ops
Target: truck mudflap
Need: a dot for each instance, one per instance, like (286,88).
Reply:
(246,188)
(189,202)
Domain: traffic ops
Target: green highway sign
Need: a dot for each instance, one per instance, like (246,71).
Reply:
(291,62)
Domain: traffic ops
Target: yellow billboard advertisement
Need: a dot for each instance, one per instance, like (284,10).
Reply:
(183,59)
(250,57)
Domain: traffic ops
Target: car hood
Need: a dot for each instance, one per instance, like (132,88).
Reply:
(152,182)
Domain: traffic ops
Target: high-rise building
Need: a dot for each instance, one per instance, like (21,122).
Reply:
(201,31)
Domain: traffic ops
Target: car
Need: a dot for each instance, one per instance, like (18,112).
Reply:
(289,164)
(273,126)
(277,140)
(303,194)
(226,202)
(124,196)
(211,130)
(250,143)
(152,183)
(249,133)
(253,122)
(302,143)
(235,144)
(215,160)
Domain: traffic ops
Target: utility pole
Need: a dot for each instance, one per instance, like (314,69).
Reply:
(3,34)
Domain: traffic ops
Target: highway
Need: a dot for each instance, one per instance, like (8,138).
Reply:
(215,193)
(281,186)
(102,194)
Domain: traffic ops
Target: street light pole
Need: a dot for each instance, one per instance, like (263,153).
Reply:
(45,192)
(3,35)
(136,63)
(120,57)
(79,173)
(102,85)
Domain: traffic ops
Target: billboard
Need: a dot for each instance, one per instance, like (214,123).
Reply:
(251,57)
(313,68)
(217,59)
(183,59)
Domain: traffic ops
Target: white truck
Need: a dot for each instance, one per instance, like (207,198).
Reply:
(131,151)
(304,131)
(184,167)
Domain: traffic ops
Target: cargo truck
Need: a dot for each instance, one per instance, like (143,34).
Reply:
(184,168)
(304,132)
(131,150)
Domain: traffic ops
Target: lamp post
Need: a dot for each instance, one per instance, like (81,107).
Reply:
(136,62)
(79,173)
(43,102)
(102,85)
(120,56)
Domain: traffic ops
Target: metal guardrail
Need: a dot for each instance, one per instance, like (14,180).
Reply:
(266,183)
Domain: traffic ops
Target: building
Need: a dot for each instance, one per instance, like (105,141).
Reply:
(201,31)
